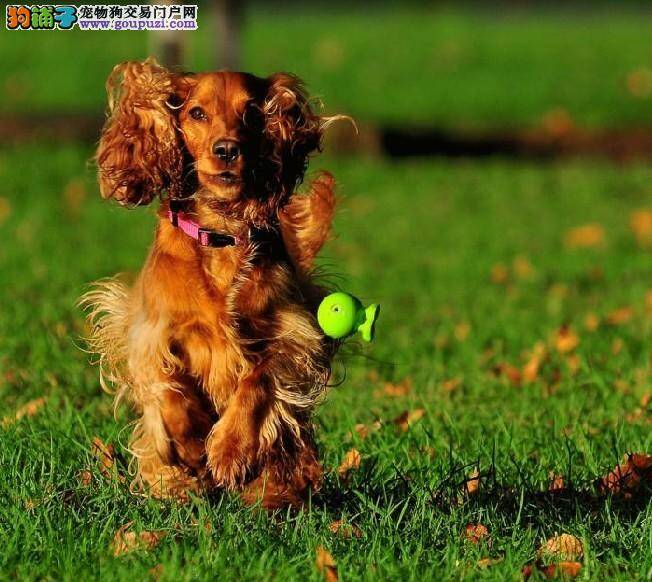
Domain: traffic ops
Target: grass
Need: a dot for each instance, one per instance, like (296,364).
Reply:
(422,238)
(462,66)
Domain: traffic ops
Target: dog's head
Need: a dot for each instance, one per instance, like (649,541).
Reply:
(238,136)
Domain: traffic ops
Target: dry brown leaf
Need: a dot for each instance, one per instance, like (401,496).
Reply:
(5,209)
(564,546)
(627,477)
(350,462)
(74,196)
(472,484)
(617,346)
(406,419)
(27,410)
(462,331)
(345,530)
(556,483)
(85,478)
(364,430)
(451,385)
(591,322)
(566,340)
(326,564)
(474,532)
(586,236)
(620,316)
(639,83)
(156,572)
(126,541)
(510,372)
(557,122)
(499,274)
(641,225)
(104,454)
(486,562)
(648,301)
(395,390)
(531,368)
(522,268)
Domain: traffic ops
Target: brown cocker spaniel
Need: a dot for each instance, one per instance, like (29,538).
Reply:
(216,344)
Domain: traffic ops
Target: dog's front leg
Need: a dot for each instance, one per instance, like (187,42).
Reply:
(234,445)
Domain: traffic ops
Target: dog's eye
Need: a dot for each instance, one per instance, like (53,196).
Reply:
(198,113)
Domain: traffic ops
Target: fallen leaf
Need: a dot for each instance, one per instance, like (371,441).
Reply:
(617,346)
(74,195)
(486,562)
(462,331)
(556,483)
(156,572)
(586,236)
(451,385)
(27,410)
(591,322)
(104,454)
(472,484)
(345,530)
(474,532)
(641,225)
(557,122)
(85,478)
(512,373)
(326,564)
(499,274)
(566,340)
(408,418)
(620,316)
(522,268)
(531,368)
(126,541)
(392,390)
(329,52)
(639,83)
(364,430)
(627,477)
(350,462)
(564,546)
(5,209)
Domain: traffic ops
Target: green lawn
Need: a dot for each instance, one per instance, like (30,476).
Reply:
(469,66)
(423,239)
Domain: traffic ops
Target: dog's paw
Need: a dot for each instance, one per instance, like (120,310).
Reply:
(168,482)
(232,458)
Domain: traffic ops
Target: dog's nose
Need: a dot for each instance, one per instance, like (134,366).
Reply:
(226,150)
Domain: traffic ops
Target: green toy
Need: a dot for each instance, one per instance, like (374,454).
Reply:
(341,315)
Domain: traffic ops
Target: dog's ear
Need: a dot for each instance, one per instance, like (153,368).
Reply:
(140,154)
(293,128)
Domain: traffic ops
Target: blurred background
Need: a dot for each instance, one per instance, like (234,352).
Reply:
(489,133)
(497,202)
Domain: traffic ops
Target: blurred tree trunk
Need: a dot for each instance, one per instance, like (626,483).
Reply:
(168,46)
(228,15)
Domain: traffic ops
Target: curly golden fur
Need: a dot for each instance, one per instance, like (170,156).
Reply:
(217,348)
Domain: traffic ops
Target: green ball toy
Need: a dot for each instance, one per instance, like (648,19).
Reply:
(341,315)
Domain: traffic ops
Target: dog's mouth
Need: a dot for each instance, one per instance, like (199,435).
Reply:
(227,178)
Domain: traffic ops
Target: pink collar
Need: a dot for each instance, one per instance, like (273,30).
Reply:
(204,236)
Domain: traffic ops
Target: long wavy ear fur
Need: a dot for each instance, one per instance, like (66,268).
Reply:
(306,221)
(140,154)
(293,128)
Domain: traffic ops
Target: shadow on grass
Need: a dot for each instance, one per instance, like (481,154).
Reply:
(520,502)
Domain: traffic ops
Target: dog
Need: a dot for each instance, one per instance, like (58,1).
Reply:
(216,345)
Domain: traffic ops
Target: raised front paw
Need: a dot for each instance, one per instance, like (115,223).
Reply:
(232,455)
